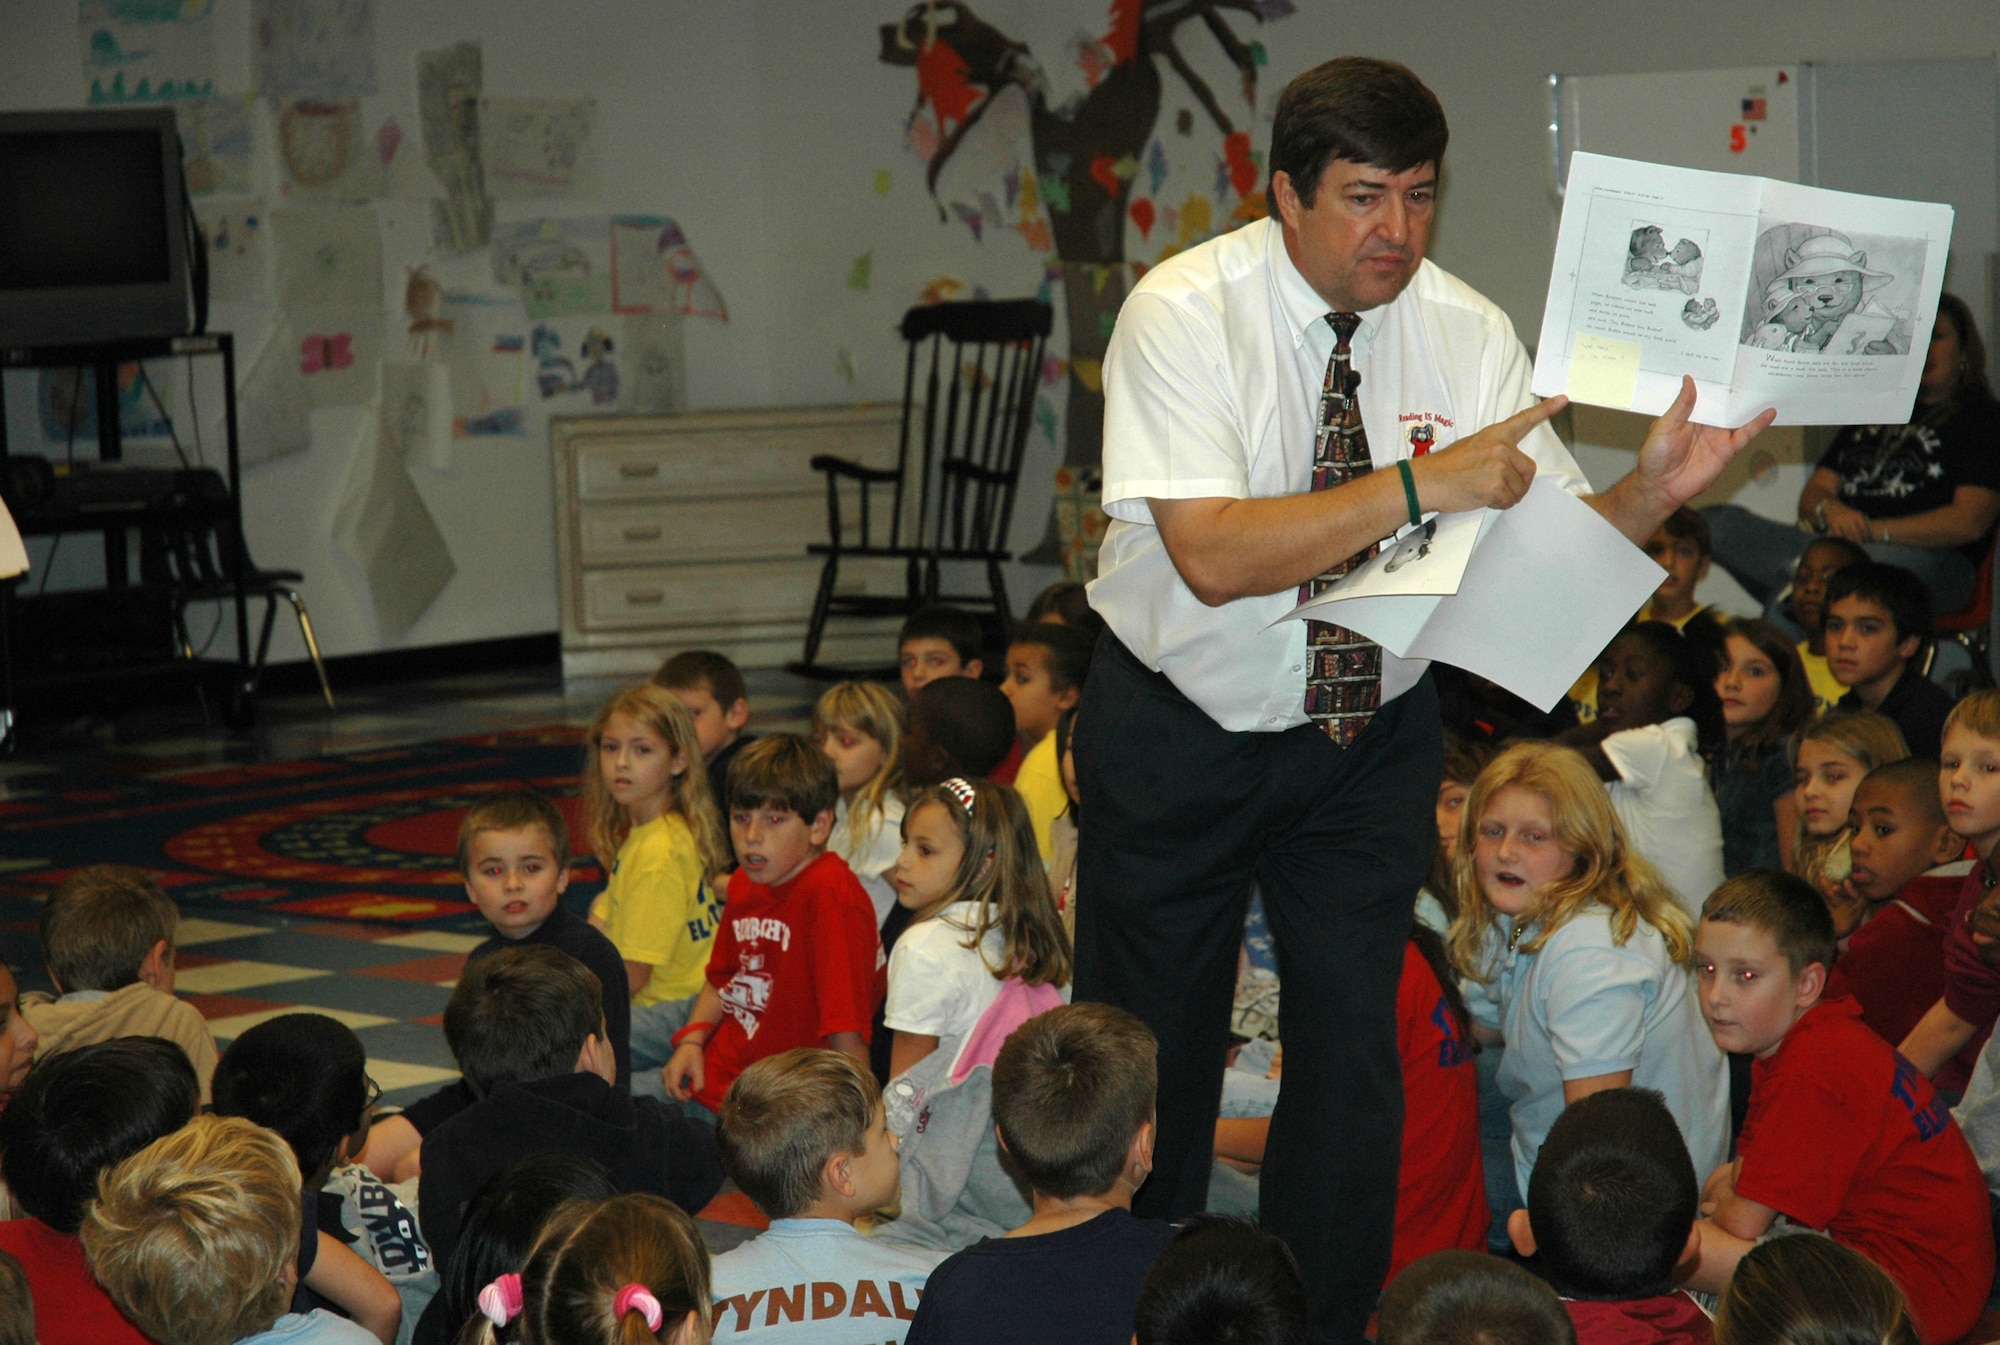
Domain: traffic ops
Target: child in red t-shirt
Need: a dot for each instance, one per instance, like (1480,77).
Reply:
(1843,1134)
(1611,1210)
(1945,1045)
(797,961)
(1441,1187)
(1907,873)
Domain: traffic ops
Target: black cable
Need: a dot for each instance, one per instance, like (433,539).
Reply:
(69,455)
(194,415)
(146,381)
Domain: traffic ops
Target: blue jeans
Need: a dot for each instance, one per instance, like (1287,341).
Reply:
(1761,553)
(653,1028)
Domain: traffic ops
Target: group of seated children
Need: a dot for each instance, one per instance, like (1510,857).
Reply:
(1702,894)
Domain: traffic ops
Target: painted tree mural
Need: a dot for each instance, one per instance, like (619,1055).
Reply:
(1099,162)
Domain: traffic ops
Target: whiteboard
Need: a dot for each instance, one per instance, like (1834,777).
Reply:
(1723,121)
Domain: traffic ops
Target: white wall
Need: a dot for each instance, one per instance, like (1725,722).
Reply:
(761,125)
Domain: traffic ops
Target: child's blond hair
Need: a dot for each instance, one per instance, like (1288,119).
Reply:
(1862,736)
(1002,875)
(101,923)
(608,822)
(870,708)
(785,1116)
(1978,713)
(1608,870)
(190,1236)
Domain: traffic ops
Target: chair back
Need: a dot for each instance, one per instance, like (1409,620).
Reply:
(968,402)
(194,542)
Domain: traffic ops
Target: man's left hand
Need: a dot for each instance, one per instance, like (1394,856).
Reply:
(1680,459)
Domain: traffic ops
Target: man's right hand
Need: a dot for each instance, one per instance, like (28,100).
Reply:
(1485,470)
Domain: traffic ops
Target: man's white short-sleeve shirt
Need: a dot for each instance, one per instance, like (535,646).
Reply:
(1211,388)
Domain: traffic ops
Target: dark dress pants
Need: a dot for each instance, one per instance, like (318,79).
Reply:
(1179,816)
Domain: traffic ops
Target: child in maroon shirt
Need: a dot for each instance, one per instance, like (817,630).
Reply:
(1945,1045)
(1611,1209)
(1843,1134)
(1907,874)
(797,961)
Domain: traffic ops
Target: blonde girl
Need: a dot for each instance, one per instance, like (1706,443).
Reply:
(859,725)
(1829,758)
(971,877)
(631,1270)
(656,830)
(1577,955)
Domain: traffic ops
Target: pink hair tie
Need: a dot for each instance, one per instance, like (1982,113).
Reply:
(501,1300)
(640,1297)
(962,790)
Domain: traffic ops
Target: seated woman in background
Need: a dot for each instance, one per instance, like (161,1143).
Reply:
(1923,495)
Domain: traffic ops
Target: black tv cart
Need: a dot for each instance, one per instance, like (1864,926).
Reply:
(105,642)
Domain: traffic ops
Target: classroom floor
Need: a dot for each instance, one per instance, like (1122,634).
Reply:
(387,982)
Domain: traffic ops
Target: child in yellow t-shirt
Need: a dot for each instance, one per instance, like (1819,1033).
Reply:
(654,825)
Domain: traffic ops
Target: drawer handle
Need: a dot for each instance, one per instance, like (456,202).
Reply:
(641,533)
(638,471)
(645,597)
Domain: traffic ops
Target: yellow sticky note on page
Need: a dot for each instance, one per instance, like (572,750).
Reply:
(1603,371)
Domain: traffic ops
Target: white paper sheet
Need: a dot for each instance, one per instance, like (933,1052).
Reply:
(328,258)
(13,555)
(313,48)
(1548,584)
(1818,303)
(539,146)
(136,53)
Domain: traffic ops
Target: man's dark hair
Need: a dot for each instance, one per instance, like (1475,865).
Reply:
(1471,1298)
(304,1075)
(703,670)
(967,725)
(1359,109)
(1071,1088)
(787,771)
(1069,650)
(1613,1196)
(1222,1281)
(522,1014)
(81,1111)
(1890,587)
(954,625)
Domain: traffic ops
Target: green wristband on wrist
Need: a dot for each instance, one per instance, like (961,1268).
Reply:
(1410,492)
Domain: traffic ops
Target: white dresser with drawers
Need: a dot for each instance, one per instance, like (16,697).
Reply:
(690,531)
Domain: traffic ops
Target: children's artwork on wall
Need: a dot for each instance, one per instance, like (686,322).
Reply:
(416,414)
(328,258)
(271,417)
(66,405)
(448,84)
(339,352)
(1083,155)
(560,266)
(576,361)
(538,147)
(384,526)
(313,48)
(485,351)
(655,376)
(654,270)
(218,136)
(237,240)
(146,51)
(325,153)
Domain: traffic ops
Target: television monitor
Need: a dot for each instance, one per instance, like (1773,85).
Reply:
(96,239)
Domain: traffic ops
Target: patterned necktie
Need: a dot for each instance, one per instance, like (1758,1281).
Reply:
(1344,676)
